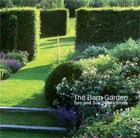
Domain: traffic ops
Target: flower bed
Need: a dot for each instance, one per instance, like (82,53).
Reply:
(11,62)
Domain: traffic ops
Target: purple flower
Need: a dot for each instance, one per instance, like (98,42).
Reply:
(66,116)
(14,65)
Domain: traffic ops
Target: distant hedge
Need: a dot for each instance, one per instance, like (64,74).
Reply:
(54,22)
(20,30)
(97,25)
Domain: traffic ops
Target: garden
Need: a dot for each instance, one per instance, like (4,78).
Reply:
(69,68)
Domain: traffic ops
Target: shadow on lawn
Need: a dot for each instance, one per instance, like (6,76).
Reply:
(35,73)
(64,41)
(36,100)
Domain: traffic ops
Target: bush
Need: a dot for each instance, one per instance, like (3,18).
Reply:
(14,65)
(20,30)
(91,51)
(101,63)
(125,123)
(4,66)
(21,56)
(4,74)
(45,4)
(106,25)
(51,4)
(54,22)
(69,70)
(128,51)
(26,3)
(66,117)
(103,76)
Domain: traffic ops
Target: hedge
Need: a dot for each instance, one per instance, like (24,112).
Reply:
(54,22)
(20,30)
(97,25)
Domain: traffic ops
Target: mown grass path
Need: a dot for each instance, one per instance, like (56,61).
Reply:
(25,88)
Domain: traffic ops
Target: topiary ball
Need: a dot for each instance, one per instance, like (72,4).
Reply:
(69,70)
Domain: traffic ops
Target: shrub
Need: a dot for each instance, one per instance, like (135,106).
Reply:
(14,65)
(128,51)
(125,123)
(101,63)
(45,4)
(66,117)
(21,56)
(4,66)
(91,51)
(69,70)
(4,74)
(26,3)
(103,76)
(51,4)
(20,30)
(106,25)
(67,90)
(54,22)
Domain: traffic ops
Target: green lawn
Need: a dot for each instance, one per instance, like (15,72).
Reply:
(25,88)
(27,118)
(30,134)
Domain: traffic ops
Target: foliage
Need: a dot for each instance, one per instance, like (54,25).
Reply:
(70,70)
(5,3)
(51,4)
(128,51)
(97,25)
(3,55)
(101,63)
(125,123)
(21,56)
(72,5)
(14,65)
(103,76)
(12,62)
(4,66)
(91,51)
(54,22)
(15,32)
(114,3)
(26,3)
(4,74)
(45,4)
(66,117)
(65,93)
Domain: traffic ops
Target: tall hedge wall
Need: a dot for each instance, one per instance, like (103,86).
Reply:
(54,22)
(97,25)
(20,30)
